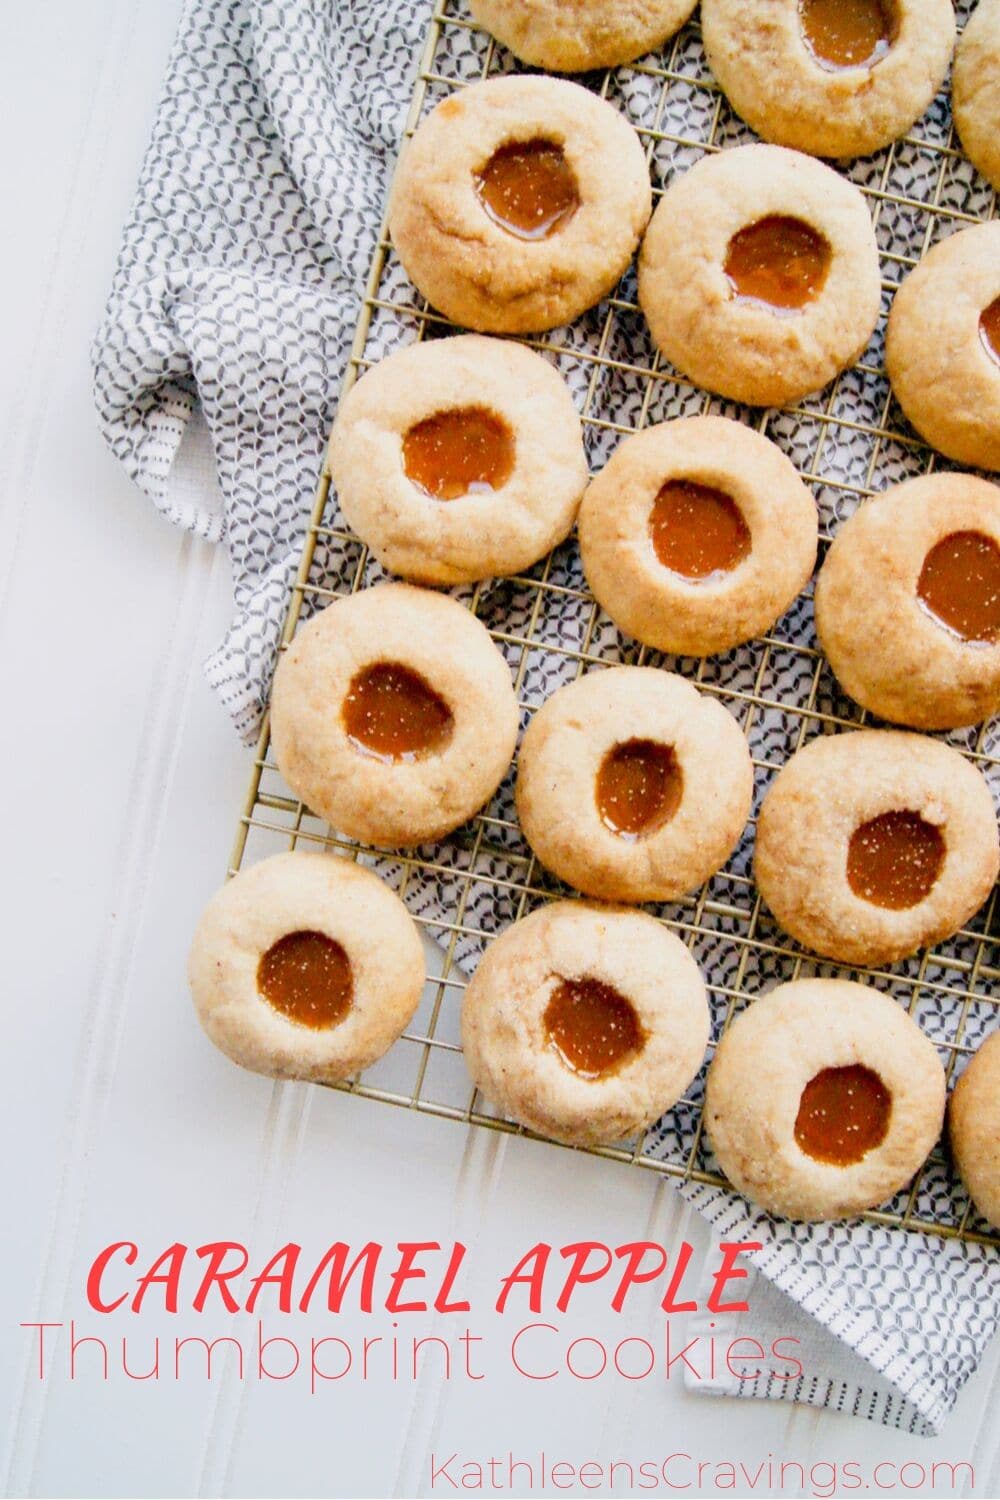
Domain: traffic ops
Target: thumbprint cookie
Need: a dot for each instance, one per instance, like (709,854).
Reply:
(459,459)
(585,1024)
(831,77)
(632,785)
(519,203)
(943,346)
(974,1128)
(305,966)
(393,715)
(908,602)
(875,843)
(824,1099)
(574,36)
(975,90)
(697,535)
(759,275)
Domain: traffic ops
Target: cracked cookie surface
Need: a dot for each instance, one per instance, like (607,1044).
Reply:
(891,650)
(573,36)
(393,715)
(519,203)
(328,941)
(633,786)
(874,844)
(790,70)
(697,535)
(759,275)
(585,1023)
(943,346)
(974,1128)
(486,501)
(976,90)
(757,1102)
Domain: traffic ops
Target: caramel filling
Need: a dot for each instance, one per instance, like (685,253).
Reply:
(959,585)
(847,33)
(989,330)
(639,787)
(307,977)
(779,263)
(697,531)
(594,1029)
(843,1114)
(894,860)
(528,188)
(468,451)
(392,713)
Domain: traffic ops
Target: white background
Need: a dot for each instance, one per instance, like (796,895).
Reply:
(121,785)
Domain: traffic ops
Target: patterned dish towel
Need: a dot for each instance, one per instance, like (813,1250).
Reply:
(237,286)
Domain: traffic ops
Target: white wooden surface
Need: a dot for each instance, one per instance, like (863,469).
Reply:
(121,782)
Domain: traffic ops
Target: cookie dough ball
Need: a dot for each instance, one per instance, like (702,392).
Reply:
(974,1128)
(908,602)
(943,346)
(579,35)
(632,786)
(823,1100)
(760,275)
(585,1024)
(697,535)
(975,90)
(305,966)
(519,203)
(875,843)
(393,715)
(459,459)
(832,77)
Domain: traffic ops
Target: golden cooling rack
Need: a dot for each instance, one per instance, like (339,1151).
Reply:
(847,443)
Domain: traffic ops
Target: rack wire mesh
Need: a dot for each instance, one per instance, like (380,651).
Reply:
(847,443)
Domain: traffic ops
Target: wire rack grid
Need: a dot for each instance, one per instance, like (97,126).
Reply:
(846,443)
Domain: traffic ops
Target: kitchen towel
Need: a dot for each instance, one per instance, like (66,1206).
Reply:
(237,287)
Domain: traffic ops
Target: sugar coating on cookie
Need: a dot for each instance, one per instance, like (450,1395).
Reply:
(908,602)
(823,1099)
(943,346)
(519,203)
(459,459)
(831,77)
(305,966)
(573,36)
(874,844)
(697,535)
(974,1128)
(393,715)
(759,274)
(975,90)
(632,785)
(585,1024)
